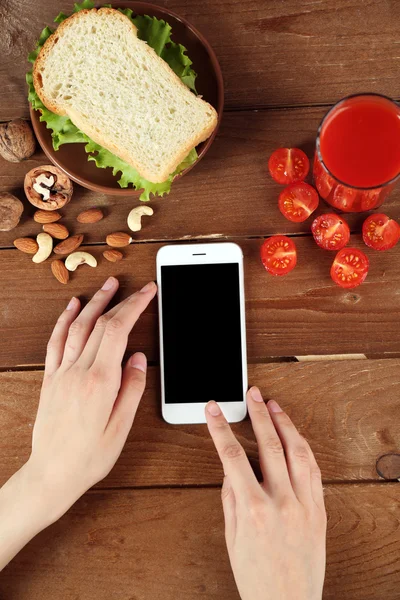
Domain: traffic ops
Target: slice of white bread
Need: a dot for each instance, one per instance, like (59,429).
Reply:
(116,89)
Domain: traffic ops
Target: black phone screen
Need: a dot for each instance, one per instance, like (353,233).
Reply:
(201,333)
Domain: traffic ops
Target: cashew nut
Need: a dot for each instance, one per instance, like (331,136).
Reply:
(80,258)
(45,243)
(135,216)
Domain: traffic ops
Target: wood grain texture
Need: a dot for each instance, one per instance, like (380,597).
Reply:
(337,406)
(169,544)
(229,193)
(300,314)
(272,53)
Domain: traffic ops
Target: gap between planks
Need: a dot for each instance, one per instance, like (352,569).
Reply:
(254,361)
(278,107)
(326,484)
(212,237)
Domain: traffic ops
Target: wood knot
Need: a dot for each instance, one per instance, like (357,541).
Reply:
(388,466)
(351,298)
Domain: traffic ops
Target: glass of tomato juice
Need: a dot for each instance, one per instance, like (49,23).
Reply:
(357,159)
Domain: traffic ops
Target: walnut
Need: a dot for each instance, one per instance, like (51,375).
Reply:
(11,210)
(48,187)
(17,141)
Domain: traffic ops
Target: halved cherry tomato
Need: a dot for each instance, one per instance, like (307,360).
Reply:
(297,201)
(330,232)
(349,268)
(380,232)
(279,255)
(288,165)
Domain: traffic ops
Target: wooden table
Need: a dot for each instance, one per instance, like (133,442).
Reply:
(153,529)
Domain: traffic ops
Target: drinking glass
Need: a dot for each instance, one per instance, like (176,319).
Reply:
(357,158)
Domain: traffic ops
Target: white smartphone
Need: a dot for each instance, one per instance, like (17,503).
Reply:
(202,331)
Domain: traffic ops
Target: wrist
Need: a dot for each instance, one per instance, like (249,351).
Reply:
(26,491)
(23,513)
(47,496)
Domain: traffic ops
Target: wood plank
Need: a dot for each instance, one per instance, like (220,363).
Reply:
(168,544)
(303,313)
(272,53)
(229,193)
(347,410)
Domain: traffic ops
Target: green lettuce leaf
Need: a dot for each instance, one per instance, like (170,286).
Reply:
(174,55)
(60,17)
(103,159)
(46,33)
(157,33)
(86,4)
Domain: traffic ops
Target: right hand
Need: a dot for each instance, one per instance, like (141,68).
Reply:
(275,531)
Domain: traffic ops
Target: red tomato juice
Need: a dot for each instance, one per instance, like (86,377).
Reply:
(360,141)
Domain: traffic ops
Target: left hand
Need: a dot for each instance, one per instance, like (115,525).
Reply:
(86,409)
(88,403)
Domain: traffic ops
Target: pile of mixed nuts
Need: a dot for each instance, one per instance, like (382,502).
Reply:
(49,189)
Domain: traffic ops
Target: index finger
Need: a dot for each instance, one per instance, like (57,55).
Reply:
(115,338)
(272,456)
(233,457)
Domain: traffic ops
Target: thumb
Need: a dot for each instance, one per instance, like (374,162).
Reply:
(133,384)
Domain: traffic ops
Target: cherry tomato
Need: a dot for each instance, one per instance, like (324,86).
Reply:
(330,232)
(380,232)
(279,255)
(288,165)
(343,198)
(298,201)
(349,268)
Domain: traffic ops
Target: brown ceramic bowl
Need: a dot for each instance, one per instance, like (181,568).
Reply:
(72,158)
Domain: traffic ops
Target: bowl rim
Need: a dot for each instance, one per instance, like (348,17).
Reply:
(89,184)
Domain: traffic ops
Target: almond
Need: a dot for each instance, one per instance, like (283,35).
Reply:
(56,230)
(113,255)
(27,245)
(46,216)
(69,245)
(92,215)
(118,239)
(60,271)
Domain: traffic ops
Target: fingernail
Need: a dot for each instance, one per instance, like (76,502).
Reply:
(71,303)
(274,407)
(109,284)
(138,361)
(147,287)
(213,409)
(256,394)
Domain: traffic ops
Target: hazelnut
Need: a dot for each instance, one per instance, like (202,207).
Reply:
(17,141)
(11,210)
(48,187)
